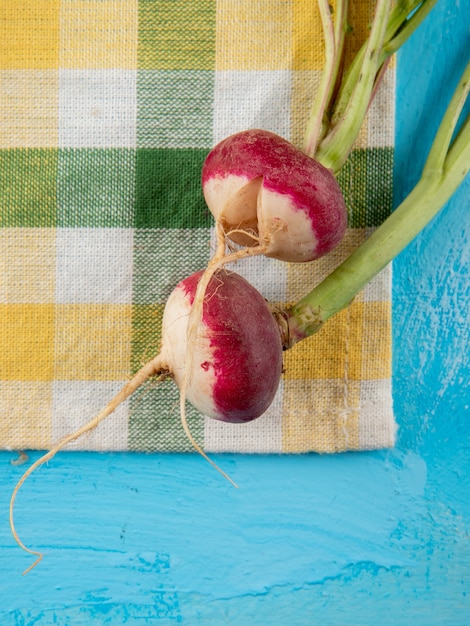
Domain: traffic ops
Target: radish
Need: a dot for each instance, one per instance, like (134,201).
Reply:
(236,358)
(285,203)
(231,371)
(263,191)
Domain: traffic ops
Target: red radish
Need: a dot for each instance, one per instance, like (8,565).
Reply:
(228,364)
(237,352)
(265,192)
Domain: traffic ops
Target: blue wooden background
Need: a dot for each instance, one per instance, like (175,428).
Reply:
(353,539)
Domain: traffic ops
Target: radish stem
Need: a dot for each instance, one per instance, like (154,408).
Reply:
(404,20)
(335,147)
(444,170)
(333,34)
(341,119)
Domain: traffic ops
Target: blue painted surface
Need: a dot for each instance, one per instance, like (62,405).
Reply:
(353,539)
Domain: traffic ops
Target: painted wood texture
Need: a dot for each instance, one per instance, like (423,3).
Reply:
(353,539)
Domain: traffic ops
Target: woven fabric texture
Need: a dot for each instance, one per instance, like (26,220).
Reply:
(107,111)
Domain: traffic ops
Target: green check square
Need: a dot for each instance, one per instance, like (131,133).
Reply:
(163,257)
(367,186)
(154,421)
(174,108)
(146,333)
(28,189)
(379,197)
(168,189)
(96,187)
(177,34)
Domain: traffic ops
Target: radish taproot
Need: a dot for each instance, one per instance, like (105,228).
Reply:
(265,192)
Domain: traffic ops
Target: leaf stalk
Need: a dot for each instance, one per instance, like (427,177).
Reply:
(446,167)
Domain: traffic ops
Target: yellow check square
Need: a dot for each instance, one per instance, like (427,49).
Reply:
(27,265)
(334,352)
(320,415)
(27,341)
(25,414)
(308,47)
(377,341)
(262,39)
(29,108)
(98,34)
(93,342)
(29,34)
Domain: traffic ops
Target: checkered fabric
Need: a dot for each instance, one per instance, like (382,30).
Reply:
(107,111)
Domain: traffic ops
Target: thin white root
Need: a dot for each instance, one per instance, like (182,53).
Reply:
(152,368)
(242,231)
(195,444)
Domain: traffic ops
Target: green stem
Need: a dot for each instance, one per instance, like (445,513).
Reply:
(336,146)
(413,14)
(315,122)
(334,42)
(403,19)
(443,172)
(439,152)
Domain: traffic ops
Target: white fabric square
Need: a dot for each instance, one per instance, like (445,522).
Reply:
(379,288)
(28,108)
(94,265)
(74,403)
(97,108)
(164,257)
(268,276)
(265,103)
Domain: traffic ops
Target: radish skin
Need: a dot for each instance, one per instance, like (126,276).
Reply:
(265,192)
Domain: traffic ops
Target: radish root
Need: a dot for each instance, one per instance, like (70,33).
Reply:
(194,443)
(217,262)
(155,367)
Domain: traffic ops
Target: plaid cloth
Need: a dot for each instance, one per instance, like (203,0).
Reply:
(107,111)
